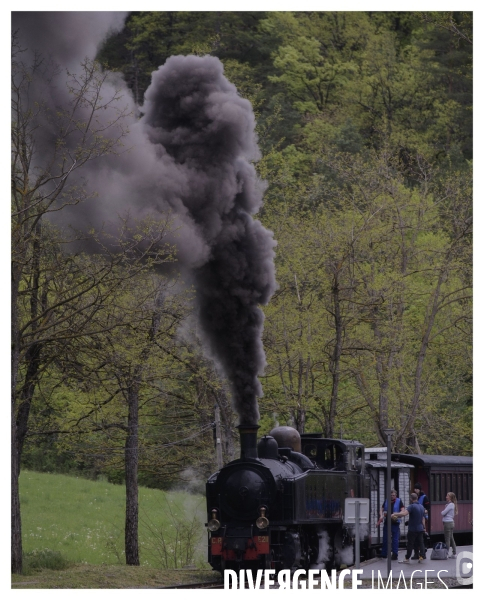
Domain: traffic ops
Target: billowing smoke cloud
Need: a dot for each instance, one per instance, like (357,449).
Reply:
(195,114)
(66,37)
(190,155)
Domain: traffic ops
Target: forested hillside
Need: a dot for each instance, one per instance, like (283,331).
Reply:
(364,123)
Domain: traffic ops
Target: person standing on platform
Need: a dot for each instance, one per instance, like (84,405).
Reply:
(448,514)
(396,506)
(416,520)
(424,500)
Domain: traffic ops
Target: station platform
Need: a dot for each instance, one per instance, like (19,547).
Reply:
(460,568)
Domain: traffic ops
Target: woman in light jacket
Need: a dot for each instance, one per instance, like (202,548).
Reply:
(448,520)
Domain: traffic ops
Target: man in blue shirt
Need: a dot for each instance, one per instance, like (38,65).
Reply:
(416,520)
(396,506)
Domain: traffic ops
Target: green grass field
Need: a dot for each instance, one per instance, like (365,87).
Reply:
(84,521)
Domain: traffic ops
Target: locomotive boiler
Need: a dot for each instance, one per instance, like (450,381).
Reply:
(281,504)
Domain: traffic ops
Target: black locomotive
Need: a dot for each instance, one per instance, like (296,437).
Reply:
(281,505)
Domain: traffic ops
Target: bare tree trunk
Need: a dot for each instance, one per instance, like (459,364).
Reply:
(32,359)
(20,416)
(382,377)
(334,365)
(424,344)
(131,472)
(132,445)
(16,531)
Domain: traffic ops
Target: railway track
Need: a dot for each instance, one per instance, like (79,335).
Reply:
(212,585)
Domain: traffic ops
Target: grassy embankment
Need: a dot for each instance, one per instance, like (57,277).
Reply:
(76,527)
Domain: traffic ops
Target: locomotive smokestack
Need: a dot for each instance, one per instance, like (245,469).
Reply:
(248,441)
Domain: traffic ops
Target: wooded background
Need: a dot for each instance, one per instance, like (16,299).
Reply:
(364,121)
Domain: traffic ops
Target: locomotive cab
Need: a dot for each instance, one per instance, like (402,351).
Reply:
(332,454)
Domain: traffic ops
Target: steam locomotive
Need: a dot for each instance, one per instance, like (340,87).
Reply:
(281,505)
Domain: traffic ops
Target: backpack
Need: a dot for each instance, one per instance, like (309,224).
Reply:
(439,551)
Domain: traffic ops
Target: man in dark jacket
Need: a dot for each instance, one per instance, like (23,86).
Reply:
(424,500)
(416,520)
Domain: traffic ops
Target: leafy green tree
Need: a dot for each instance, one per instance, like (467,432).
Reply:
(121,359)
(315,57)
(43,293)
(150,37)
(373,280)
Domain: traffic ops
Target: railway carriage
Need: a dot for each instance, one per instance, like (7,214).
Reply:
(439,475)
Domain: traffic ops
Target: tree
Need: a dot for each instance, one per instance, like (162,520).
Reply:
(150,37)
(407,278)
(48,286)
(372,284)
(315,57)
(125,361)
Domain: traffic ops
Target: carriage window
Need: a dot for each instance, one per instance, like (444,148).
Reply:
(470,486)
(459,485)
(360,461)
(340,459)
(351,458)
(437,486)
(310,450)
(454,484)
(328,458)
(465,495)
(432,487)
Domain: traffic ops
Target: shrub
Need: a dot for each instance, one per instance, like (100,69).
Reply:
(36,560)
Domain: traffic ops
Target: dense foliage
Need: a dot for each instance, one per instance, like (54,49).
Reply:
(365,128)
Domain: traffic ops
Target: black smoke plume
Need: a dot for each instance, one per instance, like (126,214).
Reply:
(191,154)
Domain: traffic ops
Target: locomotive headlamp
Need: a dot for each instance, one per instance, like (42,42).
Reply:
(262,522)
(214,523)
